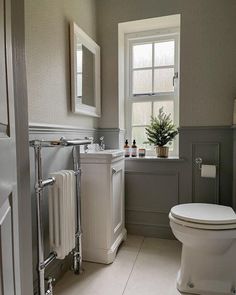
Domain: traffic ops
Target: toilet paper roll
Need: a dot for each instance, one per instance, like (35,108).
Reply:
(208,171)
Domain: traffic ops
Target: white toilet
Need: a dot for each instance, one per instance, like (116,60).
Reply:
(208,235)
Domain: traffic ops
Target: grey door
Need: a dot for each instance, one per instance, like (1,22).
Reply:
(9,256)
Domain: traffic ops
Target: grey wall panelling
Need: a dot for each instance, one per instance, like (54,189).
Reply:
(114,137)
(152,186)
(206,136)
(205,190)
(234,167)
(151,195)
(213,144)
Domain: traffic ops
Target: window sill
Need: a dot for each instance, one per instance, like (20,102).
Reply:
(156,159)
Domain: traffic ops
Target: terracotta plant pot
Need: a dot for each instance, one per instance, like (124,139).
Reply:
(162,151)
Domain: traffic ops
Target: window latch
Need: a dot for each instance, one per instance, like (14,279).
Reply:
(176,76)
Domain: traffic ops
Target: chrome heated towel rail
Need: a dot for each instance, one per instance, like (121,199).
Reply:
(40,184)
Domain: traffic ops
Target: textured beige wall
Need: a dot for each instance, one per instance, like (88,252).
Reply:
(47,57)
(208,56)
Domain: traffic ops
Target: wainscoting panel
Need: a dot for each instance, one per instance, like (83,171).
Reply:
(113,137)
(205,190)
(149,198)
(159,188)
(155,185)
(215,145)
(152,223)
(234,167)
(151,216)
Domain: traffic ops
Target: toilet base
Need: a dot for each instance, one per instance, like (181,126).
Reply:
(205,273)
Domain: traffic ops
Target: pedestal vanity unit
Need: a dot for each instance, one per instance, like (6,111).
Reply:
(102,204)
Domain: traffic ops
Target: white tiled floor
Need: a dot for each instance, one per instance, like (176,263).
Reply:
(143,266)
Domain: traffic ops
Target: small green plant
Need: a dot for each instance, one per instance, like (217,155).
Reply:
(161,130)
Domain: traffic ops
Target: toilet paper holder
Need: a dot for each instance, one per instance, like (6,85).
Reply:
(198,161)
(207,171)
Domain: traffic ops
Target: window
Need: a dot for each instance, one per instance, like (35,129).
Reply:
(151,65)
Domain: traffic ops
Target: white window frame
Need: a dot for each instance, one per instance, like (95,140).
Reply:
(147,37)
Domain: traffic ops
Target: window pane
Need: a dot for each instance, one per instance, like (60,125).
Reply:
(164,53)
(141,113)
(142,56)
(142,81)
(163,80)
(168,108)
(79,85)
(139,134)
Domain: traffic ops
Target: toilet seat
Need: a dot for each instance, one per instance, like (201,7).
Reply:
(204,216)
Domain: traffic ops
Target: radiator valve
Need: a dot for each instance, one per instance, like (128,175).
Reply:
(50,286)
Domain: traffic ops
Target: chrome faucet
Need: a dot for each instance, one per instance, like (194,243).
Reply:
(101,143)
(86,145)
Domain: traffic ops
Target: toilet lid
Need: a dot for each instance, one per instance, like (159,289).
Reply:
(204,213)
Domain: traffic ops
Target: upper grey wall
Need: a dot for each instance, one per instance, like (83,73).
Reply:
(47,57)
(208,56)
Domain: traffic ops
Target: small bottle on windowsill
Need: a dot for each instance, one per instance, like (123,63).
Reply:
(141,153)
(127,149)
(134,149)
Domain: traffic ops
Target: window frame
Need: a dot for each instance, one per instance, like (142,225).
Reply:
(151,36)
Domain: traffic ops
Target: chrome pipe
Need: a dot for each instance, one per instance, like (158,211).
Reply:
(77,259)
(77,172)
(48,181)
(38,192)
(76,142)
(52,256)
(60,142)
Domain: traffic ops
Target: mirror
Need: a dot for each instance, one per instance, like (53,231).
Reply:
(85,73)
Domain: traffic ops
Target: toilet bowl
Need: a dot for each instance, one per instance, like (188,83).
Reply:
(208,236)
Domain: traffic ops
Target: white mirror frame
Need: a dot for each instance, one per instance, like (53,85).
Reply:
(78,107)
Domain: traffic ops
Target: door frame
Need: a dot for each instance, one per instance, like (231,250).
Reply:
(24,246)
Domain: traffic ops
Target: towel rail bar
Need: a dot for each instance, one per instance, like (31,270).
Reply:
(52,256)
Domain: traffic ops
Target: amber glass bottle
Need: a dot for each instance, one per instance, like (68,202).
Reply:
(134,149)
(127,149)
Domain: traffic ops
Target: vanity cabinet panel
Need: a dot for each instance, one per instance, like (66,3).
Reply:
(102,204)
(117,198)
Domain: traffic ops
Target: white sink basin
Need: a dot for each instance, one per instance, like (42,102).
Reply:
(113,153)
(106,154)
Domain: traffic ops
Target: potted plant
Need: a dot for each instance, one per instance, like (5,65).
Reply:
(160,132)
